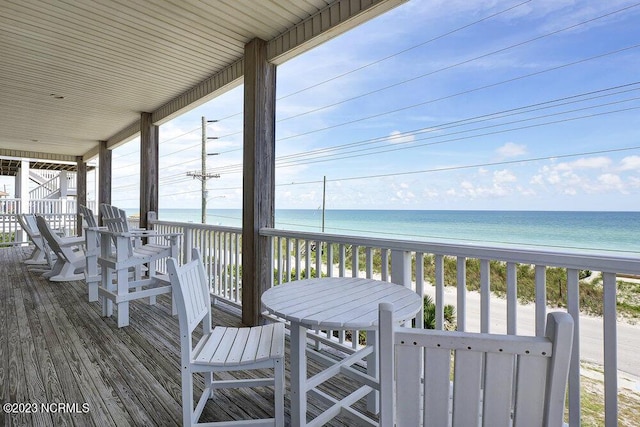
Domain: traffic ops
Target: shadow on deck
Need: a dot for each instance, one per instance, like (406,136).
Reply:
(62,363)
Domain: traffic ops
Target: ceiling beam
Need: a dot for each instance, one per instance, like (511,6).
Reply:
(23,154)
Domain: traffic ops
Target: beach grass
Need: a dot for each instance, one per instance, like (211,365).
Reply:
(590,289)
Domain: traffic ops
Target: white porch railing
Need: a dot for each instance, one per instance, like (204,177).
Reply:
(46,189)
(299,254)
(61,182)
(61,215)
(220,248)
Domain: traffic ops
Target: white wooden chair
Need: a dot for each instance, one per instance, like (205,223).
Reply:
(221,348)
(29,226)
(92,251)
(123,263)
(498,380)
(139,254)
(69,264)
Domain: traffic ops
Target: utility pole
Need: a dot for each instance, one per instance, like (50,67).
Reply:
(204,175)
(324,199)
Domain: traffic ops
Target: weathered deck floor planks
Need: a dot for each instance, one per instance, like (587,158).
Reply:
(56,348)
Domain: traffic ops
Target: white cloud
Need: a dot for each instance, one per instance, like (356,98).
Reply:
(609,181)
(580,177)
(499,186)
(511,149)
(503,176)
(592,163)
(397,137)
(630,163)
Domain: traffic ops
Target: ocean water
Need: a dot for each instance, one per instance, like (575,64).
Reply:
(575,231)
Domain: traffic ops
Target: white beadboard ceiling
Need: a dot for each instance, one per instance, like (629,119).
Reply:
(76,72)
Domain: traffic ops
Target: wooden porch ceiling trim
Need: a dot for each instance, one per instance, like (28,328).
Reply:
(329,22)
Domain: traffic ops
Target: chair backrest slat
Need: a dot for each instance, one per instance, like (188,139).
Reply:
(190,290)
(530,389)
(495,377)
(88,216)
(499,377)
(52,238)
(115,220)
(466,389)
(437,366)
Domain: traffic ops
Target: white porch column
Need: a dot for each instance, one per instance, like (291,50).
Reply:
(22,186)
(64,185)
(258,176)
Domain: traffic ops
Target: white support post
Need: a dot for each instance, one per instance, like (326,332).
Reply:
(22,187)
(64,184)
(401,268)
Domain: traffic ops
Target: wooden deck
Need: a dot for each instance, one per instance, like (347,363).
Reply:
(62,361)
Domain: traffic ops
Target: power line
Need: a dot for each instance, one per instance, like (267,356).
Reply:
(511,80)
(477,165)
(459,63)
(452,168)
(315,156)
(448,33)
(359,152)
(470,120)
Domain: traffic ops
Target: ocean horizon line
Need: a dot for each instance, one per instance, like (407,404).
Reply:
(403,210)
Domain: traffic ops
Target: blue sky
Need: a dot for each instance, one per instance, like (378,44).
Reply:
(437,105)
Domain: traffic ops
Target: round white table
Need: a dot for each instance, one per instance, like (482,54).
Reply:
(335,304)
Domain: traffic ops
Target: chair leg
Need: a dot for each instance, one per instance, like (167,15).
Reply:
(278,377)
(187,397)
(208,380)
(55,270)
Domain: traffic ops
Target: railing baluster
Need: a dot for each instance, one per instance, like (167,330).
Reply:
(287,258)
(342,261)
(512,299)
(355,260)
(573,307)
(541,300)
(307,258)
(485,296)
(369,262)
(461,272)
(238,273)
(279,258)
(297,259)
(439,267)
(329,259)
(319,258)
(384,255)
(420,287)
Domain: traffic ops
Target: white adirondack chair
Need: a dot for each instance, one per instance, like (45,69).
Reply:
(29,225)
(92,243)
(129,255)
(221,348)
(498,380)
(69,264)
(139,254)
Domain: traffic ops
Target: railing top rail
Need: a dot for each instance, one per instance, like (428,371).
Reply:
(198,226)
(569,258)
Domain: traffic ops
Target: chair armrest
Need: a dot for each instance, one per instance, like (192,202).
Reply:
(165,235)
(71,241)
